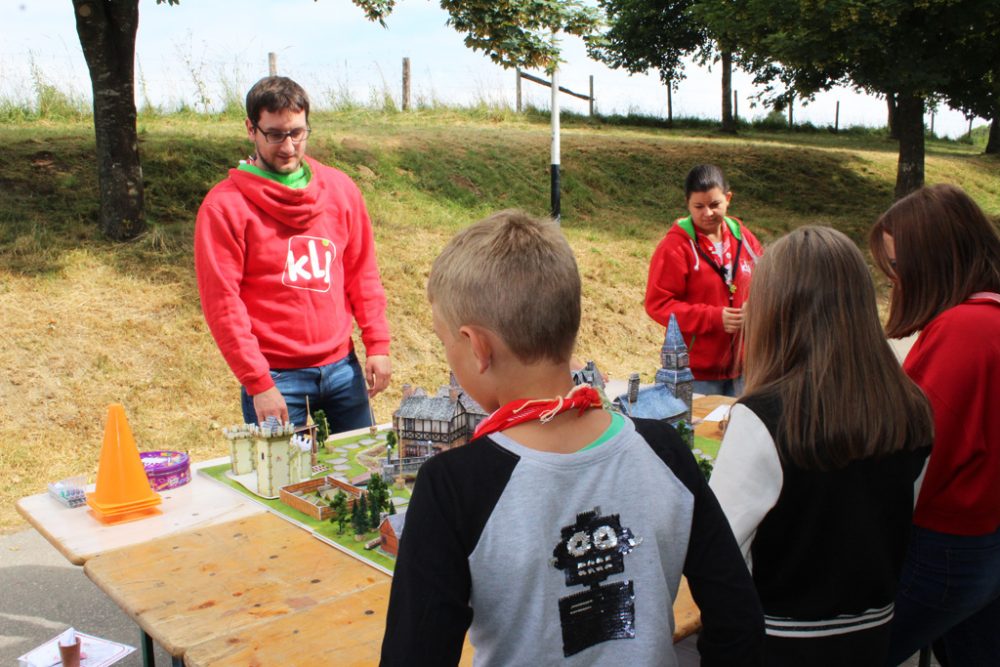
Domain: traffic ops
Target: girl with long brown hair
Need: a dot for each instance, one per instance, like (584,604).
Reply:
(817,468)
(942,256)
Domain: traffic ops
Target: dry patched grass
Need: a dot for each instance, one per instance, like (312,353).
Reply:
(86,322)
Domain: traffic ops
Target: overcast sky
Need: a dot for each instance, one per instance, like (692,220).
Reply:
(201,48)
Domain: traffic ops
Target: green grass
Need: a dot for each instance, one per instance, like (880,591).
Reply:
(88,322)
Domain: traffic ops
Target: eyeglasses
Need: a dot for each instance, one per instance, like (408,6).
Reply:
(298,135)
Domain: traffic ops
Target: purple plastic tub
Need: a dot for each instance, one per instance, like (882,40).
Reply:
(166,469)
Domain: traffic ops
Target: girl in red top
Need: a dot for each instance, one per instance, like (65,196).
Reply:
(943,257)
(700,272)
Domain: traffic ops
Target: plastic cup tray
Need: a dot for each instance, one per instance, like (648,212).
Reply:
(71,491)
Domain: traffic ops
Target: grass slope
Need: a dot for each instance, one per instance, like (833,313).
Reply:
(87,322)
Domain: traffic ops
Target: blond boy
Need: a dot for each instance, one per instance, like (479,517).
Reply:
(555,536)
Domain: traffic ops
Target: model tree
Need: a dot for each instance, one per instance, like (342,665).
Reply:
(322,428)
(359,518)
(339,507)
(378,498)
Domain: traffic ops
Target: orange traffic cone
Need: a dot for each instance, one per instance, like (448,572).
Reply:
(122,486)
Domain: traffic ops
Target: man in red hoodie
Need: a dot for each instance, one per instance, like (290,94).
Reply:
(285,258)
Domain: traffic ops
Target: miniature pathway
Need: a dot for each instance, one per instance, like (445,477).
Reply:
(338,461)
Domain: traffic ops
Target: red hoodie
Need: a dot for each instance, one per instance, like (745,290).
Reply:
(283,272)
(683,282)
(956,361)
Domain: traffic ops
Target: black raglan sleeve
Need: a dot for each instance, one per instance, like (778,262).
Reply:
(429,610)
(732,619)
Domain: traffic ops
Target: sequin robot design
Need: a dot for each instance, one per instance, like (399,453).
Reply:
(591,550)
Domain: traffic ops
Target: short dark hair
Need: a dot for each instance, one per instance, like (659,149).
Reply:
(703,178)
(276,93)
(946,250)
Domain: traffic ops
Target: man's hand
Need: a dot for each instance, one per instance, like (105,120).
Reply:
(378,371)
(732,319)
(270,403)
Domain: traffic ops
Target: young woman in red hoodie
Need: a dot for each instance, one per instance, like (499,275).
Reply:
(700,273)
(942,255)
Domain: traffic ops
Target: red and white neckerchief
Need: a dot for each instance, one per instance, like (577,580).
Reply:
(582,398)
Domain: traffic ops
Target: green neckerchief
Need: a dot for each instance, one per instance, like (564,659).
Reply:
(615,427)
(296,180)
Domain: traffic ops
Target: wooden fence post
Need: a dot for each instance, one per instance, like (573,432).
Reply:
(736,106)
(406,84)
(791,105)
(591,95)
(517,78)
(836,119)
(272,63)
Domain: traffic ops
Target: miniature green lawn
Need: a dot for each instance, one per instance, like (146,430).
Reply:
(707,446)
(326,529)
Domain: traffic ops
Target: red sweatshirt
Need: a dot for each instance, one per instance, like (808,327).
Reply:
(283,273)
(683,282)
(956,361)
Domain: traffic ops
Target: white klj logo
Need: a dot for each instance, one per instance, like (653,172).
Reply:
(745,266)
(308,263)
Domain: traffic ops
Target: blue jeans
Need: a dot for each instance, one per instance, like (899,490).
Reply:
(338,389)
(949,594)
(733,387)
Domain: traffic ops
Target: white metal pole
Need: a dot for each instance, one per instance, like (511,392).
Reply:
(556,213)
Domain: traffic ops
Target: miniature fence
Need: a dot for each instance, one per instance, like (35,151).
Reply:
(320,509)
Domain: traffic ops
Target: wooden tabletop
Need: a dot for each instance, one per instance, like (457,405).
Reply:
(701,406)
(216,581)
(220,581)
(79,535)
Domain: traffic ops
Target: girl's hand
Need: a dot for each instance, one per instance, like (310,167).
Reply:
(732,319)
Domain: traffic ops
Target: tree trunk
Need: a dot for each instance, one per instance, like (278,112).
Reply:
(107,35)
(728,123)
(910,123)
(892,106)
(993,143)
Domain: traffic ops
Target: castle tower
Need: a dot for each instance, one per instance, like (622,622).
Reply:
(241,450)
(675,371)
(274,456)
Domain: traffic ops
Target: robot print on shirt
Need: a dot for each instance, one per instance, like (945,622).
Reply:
(590,551)
(308,263)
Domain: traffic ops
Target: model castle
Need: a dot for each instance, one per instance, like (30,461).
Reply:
(279,455)
(669,398)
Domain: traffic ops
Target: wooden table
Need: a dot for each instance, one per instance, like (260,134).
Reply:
(218,580)
(258,590)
